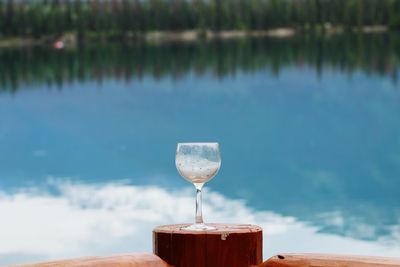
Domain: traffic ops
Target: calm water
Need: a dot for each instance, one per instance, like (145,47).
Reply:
(309,130)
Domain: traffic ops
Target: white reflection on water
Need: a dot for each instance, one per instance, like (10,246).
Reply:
(102,219)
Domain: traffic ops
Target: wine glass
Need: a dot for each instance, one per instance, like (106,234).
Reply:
(198,163)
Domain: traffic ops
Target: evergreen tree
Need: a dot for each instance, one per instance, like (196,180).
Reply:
(2,18)
(119,17)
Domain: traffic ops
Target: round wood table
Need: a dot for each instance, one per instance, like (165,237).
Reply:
(233,245)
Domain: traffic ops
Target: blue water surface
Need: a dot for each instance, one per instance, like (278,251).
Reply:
(312,155)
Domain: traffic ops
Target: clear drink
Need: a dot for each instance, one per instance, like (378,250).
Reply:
(196,169)
(198,163)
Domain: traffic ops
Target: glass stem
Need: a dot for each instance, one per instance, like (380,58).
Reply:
(199,215)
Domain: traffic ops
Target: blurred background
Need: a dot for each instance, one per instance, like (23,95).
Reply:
(302,95)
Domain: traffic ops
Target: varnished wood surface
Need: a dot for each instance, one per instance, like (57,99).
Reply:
(220,229)
(131,260)
(281,260)
(233,245)
(326,260)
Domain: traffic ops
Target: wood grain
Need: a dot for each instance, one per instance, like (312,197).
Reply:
(131,260)
(326,260)
(233,245)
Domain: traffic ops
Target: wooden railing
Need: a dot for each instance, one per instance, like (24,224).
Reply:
(230,245)
(326,260)
(129,260)
(282,260)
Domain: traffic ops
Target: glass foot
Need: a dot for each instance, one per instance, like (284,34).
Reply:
(198,227)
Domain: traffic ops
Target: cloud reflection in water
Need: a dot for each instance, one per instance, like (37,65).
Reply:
(104,219)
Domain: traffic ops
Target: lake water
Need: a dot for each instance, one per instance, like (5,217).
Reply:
(309,130)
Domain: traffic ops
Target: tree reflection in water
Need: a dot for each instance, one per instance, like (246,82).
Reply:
(374,54)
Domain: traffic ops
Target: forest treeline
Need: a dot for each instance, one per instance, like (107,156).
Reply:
(36,18)
(371,54)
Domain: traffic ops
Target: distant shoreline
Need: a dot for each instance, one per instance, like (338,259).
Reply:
(192,35)
(71,39)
